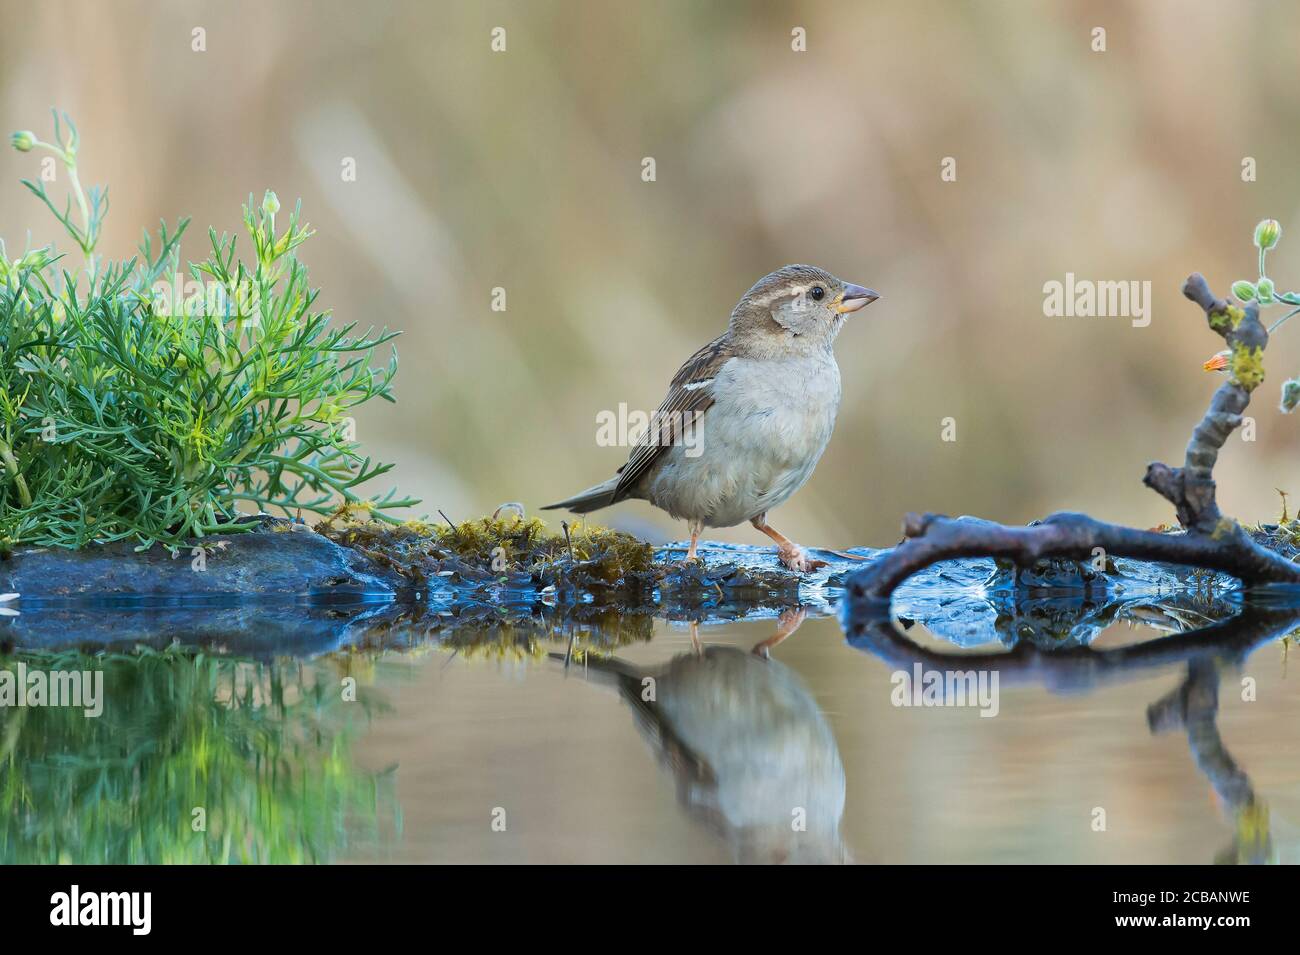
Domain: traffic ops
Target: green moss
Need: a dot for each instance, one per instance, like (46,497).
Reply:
(601,632)
(494,548)
(526,544)
(505,570)
(1247,366)
(1226,527)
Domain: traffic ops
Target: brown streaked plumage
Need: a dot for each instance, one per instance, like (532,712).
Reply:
(684,398)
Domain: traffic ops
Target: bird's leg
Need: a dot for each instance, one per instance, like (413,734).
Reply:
(697,527)
(789,622)
(787,551)
(696,645)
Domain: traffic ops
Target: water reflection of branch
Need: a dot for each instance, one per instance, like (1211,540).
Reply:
(1193,707)
(1081,667)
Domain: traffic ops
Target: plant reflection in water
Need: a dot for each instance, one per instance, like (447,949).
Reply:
(195,758)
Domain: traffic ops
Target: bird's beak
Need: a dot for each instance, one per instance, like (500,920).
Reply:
(1217,363)
(854,297)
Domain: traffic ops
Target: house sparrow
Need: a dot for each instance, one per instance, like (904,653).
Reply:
(747,745)
(771,389)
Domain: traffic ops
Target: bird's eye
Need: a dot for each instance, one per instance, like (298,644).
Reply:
(818,292)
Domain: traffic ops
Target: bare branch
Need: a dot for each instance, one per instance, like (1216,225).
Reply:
(1210,540)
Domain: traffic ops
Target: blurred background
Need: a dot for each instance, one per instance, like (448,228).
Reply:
(522,170)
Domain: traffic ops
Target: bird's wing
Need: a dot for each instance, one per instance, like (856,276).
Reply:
(689,395)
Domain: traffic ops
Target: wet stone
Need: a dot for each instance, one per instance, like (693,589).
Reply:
(285,585)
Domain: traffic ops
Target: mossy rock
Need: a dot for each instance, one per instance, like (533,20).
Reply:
(497,551)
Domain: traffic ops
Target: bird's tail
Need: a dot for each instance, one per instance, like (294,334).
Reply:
(604,671)
(592,499)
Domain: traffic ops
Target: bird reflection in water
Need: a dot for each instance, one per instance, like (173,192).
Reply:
(751,753)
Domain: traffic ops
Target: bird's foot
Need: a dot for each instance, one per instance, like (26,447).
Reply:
(797,559)
(790,620)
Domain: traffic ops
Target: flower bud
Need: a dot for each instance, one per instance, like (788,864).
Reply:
(23,141)
(270,203)
(1290,395)
(1267,233)
(1218,362)
(36,259)
(1243,291)
(1265,289)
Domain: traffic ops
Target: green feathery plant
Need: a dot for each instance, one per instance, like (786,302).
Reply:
(135,406)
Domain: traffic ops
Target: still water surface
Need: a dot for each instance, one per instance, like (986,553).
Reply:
(562,755)
(500,752)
